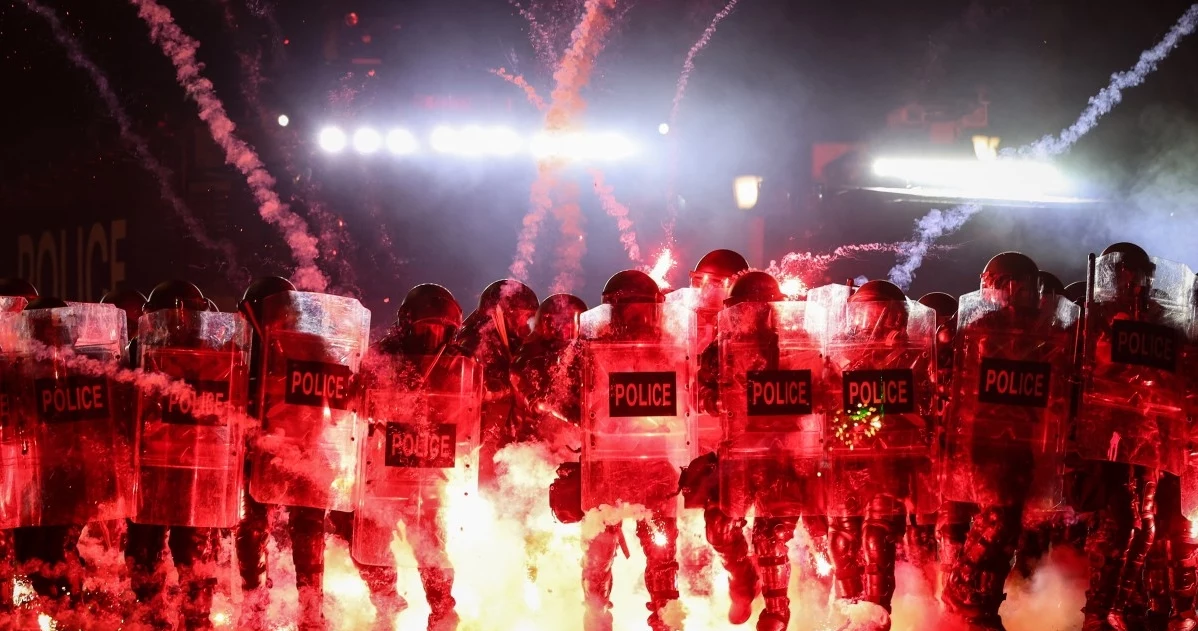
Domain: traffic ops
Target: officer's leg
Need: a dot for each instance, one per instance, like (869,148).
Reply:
(307,549)
(883,527)
(42,552)
(952,526)
(844,544)
(727,538)
(195,560)
(1143,483)
(597,560)
(659,539)
(8,569)
(975,587)
(1107,541)
(771,543)
(144,546)
(436,570)
(250,539)
(1183,580)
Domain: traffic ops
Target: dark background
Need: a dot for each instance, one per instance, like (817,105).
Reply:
(776,78)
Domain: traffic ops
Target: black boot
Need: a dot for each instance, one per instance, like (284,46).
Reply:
(727,537)
(771,543)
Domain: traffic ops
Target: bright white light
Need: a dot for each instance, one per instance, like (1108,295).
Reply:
(367,140)
(663,129)
(401,142)
(502,141)
(444,140)
(332,139)
(472,141)
(1002,178)
(283,120)
(745,188)
(542,146)
(611,147)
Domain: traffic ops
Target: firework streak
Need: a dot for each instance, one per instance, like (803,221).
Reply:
(566,105)
(937,224)
(181,50)
(688,67)
(140,147)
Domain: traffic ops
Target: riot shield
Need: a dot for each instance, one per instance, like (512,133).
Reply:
(771,385)
(73,465)
(1132,395)
(1189,363)
(879,428)
(10,443)
(705,303)
(1012,372)
(307,450)
(12,304)
(638,430)
(422,440)
(189,454)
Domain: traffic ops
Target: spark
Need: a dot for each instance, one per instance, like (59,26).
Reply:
(823,567)
(793,287)
(661,268)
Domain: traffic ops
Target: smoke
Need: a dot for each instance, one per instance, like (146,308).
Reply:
(572,245)
(566,105)
(542,43)
(151,164)
(619,212)
(801,270)
(603,191)
(518,81)
(181,49)
(938,224)
(928,229)
(688,66)
(1102,103)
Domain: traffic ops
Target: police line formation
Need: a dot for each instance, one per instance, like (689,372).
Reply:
(966,432)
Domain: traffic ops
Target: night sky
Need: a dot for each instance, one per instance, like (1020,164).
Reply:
(776,77)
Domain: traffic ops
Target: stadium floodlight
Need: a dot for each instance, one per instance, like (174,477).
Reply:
(1006,178)
(444,139)
(332,139)
(401,142)
(367,141)
(502,141)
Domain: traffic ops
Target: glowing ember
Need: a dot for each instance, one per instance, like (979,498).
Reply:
(221,619)
(823,566)
(45,623)
(22,591)
(661,267)
(659,538)
(793,287)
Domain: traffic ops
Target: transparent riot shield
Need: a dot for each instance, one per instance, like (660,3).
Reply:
(12,304)
(638,430)
(1189,478)
(421,444)
(10,443)
(1132,396)
(705,303)
(771,386)
(1012,378)
(307,450)
(189,454)
(879,433)
(74,462)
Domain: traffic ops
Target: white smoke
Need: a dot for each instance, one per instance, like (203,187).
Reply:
(937,224)
(928,229)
